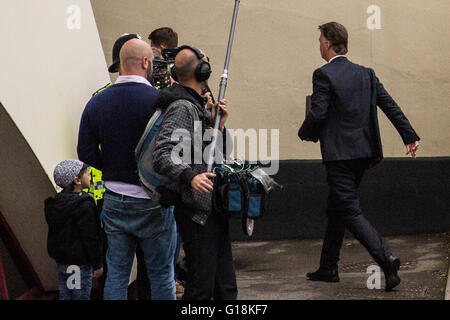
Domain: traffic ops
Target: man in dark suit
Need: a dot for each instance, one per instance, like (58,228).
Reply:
(343,117)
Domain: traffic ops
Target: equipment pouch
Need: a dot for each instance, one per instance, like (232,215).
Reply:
(235,196)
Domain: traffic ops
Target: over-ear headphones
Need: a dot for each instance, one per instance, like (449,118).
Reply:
(202,71)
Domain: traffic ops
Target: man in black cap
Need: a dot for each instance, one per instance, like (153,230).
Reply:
(115,66)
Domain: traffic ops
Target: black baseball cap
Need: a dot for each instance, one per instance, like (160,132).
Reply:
(114,67)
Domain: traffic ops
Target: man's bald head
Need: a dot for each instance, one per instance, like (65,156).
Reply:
(136,57)
(185,63)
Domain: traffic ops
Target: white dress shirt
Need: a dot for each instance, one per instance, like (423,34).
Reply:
(341,55)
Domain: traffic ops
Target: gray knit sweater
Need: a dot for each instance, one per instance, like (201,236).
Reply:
(180,104)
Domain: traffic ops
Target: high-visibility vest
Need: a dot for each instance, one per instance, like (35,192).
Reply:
(97,187)
(101,89)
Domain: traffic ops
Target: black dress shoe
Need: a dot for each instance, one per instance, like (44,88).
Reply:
(324,275)
(390,273)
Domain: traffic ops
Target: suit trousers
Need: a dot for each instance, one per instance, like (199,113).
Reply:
(343,211)
(209,260)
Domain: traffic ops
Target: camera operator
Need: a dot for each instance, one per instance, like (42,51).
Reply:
(164,42)
(163,38)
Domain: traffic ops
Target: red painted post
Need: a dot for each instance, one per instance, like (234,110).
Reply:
(3,287)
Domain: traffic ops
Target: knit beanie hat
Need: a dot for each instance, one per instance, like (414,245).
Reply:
(66,171)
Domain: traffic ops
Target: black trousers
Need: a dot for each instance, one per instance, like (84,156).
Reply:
(209,259)
(344,211)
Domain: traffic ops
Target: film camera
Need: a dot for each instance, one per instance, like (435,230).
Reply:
(169,55)
(161,68)
(161,74)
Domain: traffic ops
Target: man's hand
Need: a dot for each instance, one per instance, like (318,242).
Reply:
(412,149)
(209,102)
(222,104)
(202,184)
(98,273)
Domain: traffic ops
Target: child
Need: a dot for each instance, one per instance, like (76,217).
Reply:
(74,231)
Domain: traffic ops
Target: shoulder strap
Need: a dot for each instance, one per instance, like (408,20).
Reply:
(149,126)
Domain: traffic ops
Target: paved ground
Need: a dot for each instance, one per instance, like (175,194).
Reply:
(276,270)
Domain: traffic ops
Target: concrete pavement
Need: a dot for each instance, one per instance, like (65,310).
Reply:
(276,270)
(447,290)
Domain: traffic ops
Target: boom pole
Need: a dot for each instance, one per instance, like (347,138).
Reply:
(223,86)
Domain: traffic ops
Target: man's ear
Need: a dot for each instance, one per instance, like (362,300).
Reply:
(144,62)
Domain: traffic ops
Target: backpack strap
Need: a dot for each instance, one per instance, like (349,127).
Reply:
(150,124)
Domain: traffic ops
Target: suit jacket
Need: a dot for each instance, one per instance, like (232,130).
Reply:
(344,112)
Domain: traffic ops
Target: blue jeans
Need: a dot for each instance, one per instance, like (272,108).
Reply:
(74,282)
(128,221)
(177,252)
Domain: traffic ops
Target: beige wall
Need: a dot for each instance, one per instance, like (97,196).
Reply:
(276,51)
(48,74)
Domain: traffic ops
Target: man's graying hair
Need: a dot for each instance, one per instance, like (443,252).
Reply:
(337,35)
